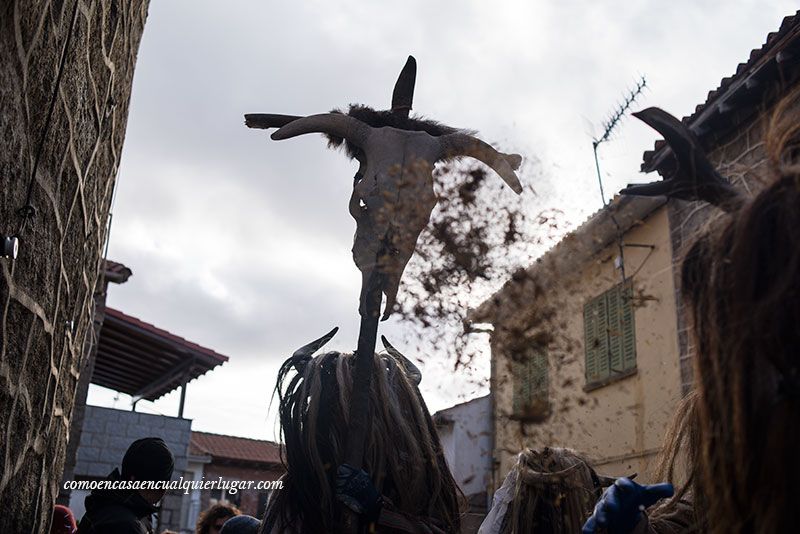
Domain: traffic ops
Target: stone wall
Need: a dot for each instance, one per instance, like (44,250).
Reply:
(741,157)
(107,434)
(82,390)
(46,294)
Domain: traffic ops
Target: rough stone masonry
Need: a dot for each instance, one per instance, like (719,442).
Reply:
(46,294)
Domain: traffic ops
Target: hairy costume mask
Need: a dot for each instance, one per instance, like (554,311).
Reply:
(393,193)
(548,491)
(403,454)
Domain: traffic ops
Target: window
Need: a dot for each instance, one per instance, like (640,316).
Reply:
(530,380)
(609,335)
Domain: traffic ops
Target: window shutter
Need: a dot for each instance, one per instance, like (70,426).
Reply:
(530,382)
(610,333)
(614,298)
(589,340)
(595,343)
(628,328)
(538,375)
(522,385)
(602,333)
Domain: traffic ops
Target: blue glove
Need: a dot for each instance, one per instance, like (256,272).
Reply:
(620,508)
(355,490)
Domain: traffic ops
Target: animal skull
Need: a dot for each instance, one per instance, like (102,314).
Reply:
(393,194)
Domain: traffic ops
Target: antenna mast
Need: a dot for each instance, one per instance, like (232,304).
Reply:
(612,123)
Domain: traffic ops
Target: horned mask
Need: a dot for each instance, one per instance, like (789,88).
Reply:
(393,190)
(301,356)
(693,176)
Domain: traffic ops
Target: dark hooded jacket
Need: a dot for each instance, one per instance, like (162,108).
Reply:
(110,511)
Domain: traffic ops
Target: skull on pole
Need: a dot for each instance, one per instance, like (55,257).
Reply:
(393,191)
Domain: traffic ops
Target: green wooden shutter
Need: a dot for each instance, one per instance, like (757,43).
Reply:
(530,381)
(615,304)
(602,332)
(589,340)
(538,375)
(595,339)
(628,329)
(610,333)
(522,385)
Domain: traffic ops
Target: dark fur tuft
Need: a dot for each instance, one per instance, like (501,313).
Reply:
(380,119)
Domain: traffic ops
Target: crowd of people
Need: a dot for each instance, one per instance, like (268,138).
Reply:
(734,438)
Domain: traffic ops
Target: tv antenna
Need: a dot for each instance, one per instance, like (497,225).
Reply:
(612,122)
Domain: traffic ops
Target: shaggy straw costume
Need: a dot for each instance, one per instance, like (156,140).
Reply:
(402,455)
(548,491)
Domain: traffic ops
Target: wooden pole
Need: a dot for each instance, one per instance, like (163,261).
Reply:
(362,378)
(183,400)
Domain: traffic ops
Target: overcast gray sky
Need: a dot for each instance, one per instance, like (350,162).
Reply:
(243,245)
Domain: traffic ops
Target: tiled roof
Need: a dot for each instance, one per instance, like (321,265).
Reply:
(593,235)
(161,333)
(145,361)
(744,88)
(234,448)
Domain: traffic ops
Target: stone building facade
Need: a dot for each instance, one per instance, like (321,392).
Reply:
(107,433)
(549,385)
(731,125)
(57,167)
(545,315)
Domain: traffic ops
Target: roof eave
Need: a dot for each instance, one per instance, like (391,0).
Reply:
(597,233)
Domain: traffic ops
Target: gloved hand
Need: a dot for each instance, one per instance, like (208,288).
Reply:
(355,490)
(620,508)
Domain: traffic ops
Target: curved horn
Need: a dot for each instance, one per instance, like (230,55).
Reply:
(460,144)
(265,121)
(412,371)
(695,177)
(335,124)
(304,353)
(682,140)
(403,94)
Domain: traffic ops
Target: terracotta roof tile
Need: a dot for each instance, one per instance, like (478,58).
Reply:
(789,32)
(234,448)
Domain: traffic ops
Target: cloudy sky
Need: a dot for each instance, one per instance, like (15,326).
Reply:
(242,244)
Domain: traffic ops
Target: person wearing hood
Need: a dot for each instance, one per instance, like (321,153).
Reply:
(125,510)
